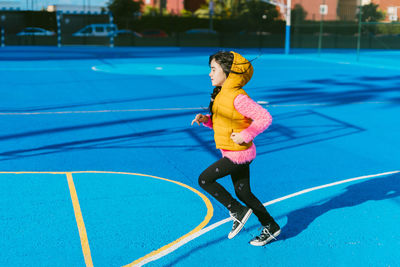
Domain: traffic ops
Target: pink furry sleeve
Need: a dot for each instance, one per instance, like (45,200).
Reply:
(209,123)
(260,116)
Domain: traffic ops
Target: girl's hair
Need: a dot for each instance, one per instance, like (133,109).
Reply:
(225,60)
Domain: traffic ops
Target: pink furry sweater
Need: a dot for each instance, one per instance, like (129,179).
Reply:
(261,121)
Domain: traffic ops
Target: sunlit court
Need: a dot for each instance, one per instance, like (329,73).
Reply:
(99,162)
(105,160)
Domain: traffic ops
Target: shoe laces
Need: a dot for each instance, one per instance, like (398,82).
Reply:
(234,219)
(265,231)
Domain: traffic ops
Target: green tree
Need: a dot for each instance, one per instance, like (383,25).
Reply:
(298,14)
(222,9)
(124,8)
(371,13)
(231,9)
(186,13)
(261,11)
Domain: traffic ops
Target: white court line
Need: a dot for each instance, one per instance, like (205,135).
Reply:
(40,69)
(215,225)
(329,104)
(171,109)
(95,111)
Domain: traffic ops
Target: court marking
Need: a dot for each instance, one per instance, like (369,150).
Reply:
(207,218)
(97,111)
(81,226)
(79,220)
(334,59)
(217,224)
(77,212)
(178,109)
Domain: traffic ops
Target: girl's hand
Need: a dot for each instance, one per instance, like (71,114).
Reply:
(237,138)
(200,118)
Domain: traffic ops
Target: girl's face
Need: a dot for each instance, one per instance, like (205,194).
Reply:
(217,75)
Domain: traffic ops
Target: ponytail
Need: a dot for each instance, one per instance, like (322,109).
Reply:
(213,96)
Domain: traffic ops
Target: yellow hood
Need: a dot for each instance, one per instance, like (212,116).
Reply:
(226,119)
(241,66)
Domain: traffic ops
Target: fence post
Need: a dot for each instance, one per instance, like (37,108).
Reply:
(2,33)
(359,30)
(59,16)
(321,32)
(112,35)
(2,37)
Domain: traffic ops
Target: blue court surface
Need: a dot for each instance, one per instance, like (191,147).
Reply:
(99,164)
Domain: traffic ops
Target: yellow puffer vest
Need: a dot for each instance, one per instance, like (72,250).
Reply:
(226,119)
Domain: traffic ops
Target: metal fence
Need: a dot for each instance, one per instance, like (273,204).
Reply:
(56,28)
(61,29)
(343,30)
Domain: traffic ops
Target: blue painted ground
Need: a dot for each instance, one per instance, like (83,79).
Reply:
(37,222)
(351,224)
(334,118)
(124,223)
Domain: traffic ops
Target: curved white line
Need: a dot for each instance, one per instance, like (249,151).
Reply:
(215,225)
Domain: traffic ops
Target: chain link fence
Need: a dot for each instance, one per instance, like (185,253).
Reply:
(57,28)
(336,27)
(340,27)
(28,28)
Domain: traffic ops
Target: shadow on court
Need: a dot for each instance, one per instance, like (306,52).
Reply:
(387,187)
(315,127)
(84,105)
(286,133)
(344,91)
(371,190)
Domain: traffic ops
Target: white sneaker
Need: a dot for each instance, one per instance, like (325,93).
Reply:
(239,219)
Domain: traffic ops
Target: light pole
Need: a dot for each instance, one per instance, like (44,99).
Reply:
(211,10)
(288,25)
(359,29)
(286,11)
(323,10)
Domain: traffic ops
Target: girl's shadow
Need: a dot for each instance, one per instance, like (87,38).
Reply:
(375,189)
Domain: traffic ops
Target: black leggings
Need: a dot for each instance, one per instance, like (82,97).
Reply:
(240,174)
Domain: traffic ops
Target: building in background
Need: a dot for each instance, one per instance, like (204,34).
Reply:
(172,6)
(75,8)
(312,8)
(175,6)
(337,9)
(10,5)
(390,7)
(347,9)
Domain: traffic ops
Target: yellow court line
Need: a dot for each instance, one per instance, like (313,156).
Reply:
(79,221)
(207,218)
(81,225)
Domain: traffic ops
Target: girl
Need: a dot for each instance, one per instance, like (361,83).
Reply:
(236,120)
